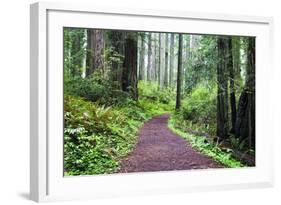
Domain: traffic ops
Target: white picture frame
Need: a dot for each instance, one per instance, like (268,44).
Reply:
(46,177)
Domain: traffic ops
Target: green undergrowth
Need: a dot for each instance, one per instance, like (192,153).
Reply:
(97,135)
(203,145)
(199,109)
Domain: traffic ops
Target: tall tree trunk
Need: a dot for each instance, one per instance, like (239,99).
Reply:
(185,56)
(99,50)
(153,57)
(90,52)
(116,41)
(179,74)
(166,77)
(231,85)
(141,63)
(191,47)
(245,123)
(129,74)
(149,58)
(222,95)
(187,49)
(171,75)
(236,46)
(95,53)
(77,60)
(161,60)
(157,57)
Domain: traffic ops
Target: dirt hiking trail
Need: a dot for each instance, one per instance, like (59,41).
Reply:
(159,149)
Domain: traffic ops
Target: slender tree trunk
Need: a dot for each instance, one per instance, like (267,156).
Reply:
(222,95)
(156,57)
(141,63)
(186,55)
(153,57)
(245,123)
(95,51)
(90,52)
(191,47)
(179,74)
(129,75)
(77,61)
(161,60)
(231,85)
(116,43)
(166,77)
(149,58)
(172,44)
(236,46)
(99,50)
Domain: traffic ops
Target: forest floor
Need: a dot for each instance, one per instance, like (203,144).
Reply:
(159,149)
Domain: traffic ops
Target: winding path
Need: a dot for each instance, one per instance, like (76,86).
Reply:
(159,149)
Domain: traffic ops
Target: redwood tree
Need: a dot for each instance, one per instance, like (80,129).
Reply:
(95,51)
(141,57)
(222,93)
(179,74)
(245,123)
(172,44)
(231,84)
(129,74)
(149,58)
(166,77)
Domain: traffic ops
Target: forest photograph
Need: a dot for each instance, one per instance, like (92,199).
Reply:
(138,101)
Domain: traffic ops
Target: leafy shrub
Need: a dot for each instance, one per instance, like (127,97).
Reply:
(150,91)
(95,89)
(155,101)
(101,122)
(199,108)
(95,137)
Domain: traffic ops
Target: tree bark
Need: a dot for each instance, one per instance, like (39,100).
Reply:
(185,61)
(172,44)
(141,63)
(245,124)
(153,57)
(77,60)
(99,49)
(179,74)
(129,74)
(236,46)
(149,58)
(231,85)
(222,95)
(166,77)
(161,60)
(90,52)
(95,51)
(116,41)
(157,57)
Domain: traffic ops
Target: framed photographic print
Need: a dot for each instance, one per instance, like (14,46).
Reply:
(127,102)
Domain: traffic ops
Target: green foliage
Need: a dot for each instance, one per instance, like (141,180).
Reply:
(112,56)
(240,144)
(155,101)
(95,89)
(201,66)
(150,91)
(199,109)
(95,137)
(74,50)
(101,121)
(203,145)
